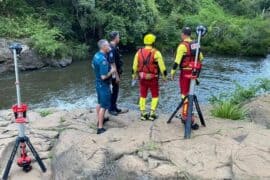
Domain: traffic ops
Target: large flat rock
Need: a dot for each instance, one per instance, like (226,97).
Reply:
(133,149)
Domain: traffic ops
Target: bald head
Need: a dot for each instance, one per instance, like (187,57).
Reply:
(103,45)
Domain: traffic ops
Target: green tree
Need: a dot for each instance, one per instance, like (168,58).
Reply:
(235,26)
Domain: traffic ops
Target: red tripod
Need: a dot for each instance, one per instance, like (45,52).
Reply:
(22,140)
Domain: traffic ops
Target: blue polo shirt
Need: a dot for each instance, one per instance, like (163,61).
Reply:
(101,67)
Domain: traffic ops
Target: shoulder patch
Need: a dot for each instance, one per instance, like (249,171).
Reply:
(104,62)
(111,55)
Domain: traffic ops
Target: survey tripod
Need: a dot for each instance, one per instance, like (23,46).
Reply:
(191,97)
(22,140)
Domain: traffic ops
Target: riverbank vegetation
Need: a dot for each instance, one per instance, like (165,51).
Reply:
(60,28)
(230,106)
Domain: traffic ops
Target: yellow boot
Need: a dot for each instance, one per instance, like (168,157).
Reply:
(154,105)
(142,104)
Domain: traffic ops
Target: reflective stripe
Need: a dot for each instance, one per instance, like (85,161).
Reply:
(142,103)
(186,68)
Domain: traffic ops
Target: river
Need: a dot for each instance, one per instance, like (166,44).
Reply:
(73,87)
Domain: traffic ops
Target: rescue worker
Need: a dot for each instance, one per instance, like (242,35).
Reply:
(185,54)
(114,58)
(103,73)
(148,64)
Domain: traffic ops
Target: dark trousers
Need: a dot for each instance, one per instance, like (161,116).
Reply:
(114,95)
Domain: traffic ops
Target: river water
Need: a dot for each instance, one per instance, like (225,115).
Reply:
(74,86)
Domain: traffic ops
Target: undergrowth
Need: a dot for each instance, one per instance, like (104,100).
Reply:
(230,106)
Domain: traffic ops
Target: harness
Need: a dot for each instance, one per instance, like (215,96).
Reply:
(147,62)
(189,56)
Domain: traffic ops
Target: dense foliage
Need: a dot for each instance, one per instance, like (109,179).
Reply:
(70,27)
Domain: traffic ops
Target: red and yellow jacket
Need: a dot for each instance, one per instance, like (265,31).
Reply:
(158,59)
(181,52)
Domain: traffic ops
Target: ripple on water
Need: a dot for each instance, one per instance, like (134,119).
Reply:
(74,86)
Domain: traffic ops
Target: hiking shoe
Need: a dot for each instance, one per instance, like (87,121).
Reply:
(183,121)
(118,110)
(195,126)
(101,130)
(114,113)
(179,116)
(152,117)
(144,117)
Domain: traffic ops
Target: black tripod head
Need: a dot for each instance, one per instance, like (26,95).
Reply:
(201,29)
(17,47)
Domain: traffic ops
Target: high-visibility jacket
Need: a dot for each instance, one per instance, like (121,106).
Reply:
(154,65)
(183,55)
(147,62)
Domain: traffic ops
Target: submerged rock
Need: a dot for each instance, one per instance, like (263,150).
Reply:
(130,149)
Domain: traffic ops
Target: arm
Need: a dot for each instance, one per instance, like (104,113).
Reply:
(161,64)
(104,70)
(113,66)
(201,57)
(200,60)
(181,50)
(135,66)
(107,76)
(111,59)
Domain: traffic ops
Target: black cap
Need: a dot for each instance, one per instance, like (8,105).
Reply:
(113,35)
(186,31)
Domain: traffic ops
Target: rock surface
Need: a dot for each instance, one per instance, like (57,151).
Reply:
(28,59)
(131,149)
(259,110)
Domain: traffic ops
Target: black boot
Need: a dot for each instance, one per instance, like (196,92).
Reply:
(101,130)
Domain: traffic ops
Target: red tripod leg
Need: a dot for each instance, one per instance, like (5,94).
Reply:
(24,161)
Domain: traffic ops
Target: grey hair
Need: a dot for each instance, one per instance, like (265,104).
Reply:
(101,43)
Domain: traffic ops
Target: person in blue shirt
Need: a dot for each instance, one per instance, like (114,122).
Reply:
(103,72)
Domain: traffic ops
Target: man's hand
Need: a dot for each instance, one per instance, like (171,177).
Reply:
(172,77)
(113,70)
(134,77)
(172,74)
(117,78)
(197,82)
(164,78)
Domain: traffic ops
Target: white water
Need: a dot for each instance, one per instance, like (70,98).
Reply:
(74,87)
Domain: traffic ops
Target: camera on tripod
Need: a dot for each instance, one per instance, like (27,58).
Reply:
(201,29)
(17,47)
(22,140)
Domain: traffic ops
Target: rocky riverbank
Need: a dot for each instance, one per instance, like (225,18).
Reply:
(132,149)
(29,58)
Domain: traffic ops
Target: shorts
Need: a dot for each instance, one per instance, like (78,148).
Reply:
(104,96)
